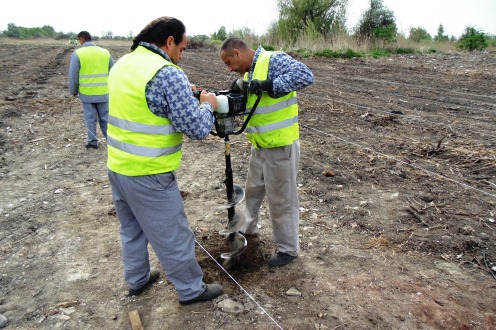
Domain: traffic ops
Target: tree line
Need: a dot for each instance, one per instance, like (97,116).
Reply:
(319,20)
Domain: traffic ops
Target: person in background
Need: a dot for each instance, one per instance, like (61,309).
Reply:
(152,106)
(88,74)
(273,132)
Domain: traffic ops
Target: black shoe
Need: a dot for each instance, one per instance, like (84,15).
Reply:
(93,146)
(154,275)
(212,291)
(280,259)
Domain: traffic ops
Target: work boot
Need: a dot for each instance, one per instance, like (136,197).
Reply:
(154,275)
(211,291)
(280,259)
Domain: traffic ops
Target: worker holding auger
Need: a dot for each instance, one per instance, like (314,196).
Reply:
(273,132)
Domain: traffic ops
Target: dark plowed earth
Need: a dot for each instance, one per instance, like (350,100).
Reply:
(397,188)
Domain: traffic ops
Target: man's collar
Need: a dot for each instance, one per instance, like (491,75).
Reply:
(155,49)
(259,50)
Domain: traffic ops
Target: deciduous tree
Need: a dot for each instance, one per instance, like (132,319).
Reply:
(312,17)
(377,23)
(419,34)
(440,36)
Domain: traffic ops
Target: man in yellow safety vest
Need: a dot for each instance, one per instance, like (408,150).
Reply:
(88,75)
(273,132)
(151,107)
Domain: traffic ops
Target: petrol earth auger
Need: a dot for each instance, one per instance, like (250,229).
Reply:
(231,114)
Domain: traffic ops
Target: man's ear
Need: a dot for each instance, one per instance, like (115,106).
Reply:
(169,41)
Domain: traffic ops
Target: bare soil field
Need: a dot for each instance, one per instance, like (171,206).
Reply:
(397,195)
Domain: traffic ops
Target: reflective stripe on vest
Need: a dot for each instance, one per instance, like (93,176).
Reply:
(139,142)
(93,74)
(272,127)
(275,121)
(140,128)
(275,107)
(142,151)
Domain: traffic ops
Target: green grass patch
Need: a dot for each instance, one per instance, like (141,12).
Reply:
(304,52)
(401,50)
(350,53)
(268,48)
(379,52)
(329,53)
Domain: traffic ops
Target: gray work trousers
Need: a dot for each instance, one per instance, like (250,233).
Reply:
(272,174)
(93,113)
(150,210)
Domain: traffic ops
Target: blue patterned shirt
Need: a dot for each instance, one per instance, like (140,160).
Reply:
(169,95)
(287,74)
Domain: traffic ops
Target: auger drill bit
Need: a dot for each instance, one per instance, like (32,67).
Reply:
(235,106)
(235,194)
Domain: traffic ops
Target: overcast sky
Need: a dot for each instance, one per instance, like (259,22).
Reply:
(206,17)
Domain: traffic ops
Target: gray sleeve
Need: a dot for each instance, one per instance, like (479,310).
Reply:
(74,67)
(111,62)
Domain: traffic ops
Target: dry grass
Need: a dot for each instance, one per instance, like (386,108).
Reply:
(344,42)
(41,41)
(62,42)
(377,242)
(341,42)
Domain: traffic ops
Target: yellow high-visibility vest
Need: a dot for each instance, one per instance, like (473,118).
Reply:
(275,121)
(94,71)
(139,142)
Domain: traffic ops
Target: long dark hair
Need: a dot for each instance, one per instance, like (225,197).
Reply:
(157,31)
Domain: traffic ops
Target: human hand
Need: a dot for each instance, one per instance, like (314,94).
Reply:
(210,98)
(239,86)
(257,86)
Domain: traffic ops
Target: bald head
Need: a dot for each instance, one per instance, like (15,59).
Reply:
(233,43)
(236,55)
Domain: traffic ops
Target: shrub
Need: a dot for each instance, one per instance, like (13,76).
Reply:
(348,53)
(492,40)
(303,52)
(380,52)
(196,43)
(325,53)
(472,39)
(401,50)
(419,34)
